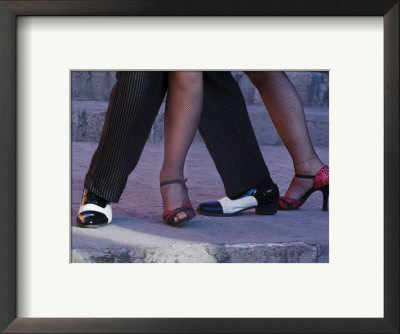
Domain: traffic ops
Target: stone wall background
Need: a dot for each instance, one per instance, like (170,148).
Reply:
(90,91)
(313,87)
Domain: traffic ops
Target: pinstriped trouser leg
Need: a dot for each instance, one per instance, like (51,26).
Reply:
(227,131)
(134,103)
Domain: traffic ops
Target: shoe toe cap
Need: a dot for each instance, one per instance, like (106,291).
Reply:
(91,219)
(213,207)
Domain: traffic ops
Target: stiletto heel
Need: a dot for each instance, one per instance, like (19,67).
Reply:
(325,194)
(169,216)
(321,183)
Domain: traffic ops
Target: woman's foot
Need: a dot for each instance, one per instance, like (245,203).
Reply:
(177,206)
(299,186)
(316,182)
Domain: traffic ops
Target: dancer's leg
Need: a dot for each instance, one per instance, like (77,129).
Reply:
(226,129)
(286,111)
(134,103)
(182,114)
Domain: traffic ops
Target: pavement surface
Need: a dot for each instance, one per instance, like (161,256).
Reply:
(137,233)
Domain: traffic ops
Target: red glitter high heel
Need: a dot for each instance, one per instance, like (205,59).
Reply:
(169,216)
(321,183)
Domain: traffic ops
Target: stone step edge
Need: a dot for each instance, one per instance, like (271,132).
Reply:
(92,113)
(287,252)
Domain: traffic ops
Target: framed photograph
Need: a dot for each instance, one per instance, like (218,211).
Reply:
(243,234)
(64,68)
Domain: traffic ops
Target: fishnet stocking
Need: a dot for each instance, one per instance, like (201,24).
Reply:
(286,111)
(182,115)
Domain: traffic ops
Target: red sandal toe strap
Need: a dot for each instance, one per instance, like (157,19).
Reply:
(169,216)
(287,202)
(188,209)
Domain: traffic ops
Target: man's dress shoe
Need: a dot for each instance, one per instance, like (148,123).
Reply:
(94,211)
(265,201)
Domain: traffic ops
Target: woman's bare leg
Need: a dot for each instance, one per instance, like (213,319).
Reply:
(182,115)
(286,111)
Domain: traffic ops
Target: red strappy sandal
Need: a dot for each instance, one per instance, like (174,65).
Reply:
(321,183)
(169,216)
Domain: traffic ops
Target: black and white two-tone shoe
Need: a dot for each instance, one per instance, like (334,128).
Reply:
(94,211)
(265,201)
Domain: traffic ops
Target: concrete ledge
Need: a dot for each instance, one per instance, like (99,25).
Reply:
(295,252)
(88,119)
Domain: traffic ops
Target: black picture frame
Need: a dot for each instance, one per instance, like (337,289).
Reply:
(10,10)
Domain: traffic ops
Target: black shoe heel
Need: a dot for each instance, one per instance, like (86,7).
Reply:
(267,209)
(325,194)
